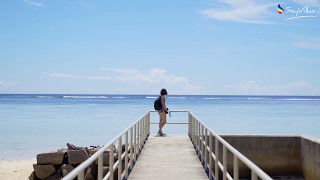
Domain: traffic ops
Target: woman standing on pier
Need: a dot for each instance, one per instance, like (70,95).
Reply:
(163,111)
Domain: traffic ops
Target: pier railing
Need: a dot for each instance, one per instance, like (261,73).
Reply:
(200,135)
(139,132)
(202,138)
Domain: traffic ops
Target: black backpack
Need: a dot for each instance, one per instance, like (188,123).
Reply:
(157,104)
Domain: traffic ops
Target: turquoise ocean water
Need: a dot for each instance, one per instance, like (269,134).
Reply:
(37,123)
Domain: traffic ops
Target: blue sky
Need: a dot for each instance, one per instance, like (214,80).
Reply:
(139,47)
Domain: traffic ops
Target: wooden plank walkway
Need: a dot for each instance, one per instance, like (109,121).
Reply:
(168,158)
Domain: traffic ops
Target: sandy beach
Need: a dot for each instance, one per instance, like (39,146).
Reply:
(16,170)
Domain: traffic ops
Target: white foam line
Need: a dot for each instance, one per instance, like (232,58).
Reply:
(177,97)
(86,97)
(149,97)
(299,17)
(212,98)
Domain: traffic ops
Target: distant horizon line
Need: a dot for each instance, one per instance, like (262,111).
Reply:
(148,94)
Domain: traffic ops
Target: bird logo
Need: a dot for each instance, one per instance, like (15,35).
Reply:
(280,9)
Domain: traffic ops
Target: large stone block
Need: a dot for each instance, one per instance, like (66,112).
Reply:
(66,169)
(106,158)
(54,176)
(76,157)
(33,176)
(44,171)
(50,158)
(91,172)
(105,170)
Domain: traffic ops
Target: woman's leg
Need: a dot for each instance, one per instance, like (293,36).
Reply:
(160,123)
(163,120)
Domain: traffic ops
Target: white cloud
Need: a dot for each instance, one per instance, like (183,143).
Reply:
(249,87)
(310,44)
(3,84)
(153,78)
(308,60)
(59,75)
(86,5)
(34,3)
(307,2)
(294,88)
(240,11)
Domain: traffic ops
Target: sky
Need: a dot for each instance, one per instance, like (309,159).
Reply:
(222,47)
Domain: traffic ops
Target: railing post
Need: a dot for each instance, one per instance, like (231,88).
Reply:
(140,136)
(210,155)
(119,158)
(135,142)
(144,130)
(199,134)
(149,123)
(81,175)
(253,175)
(206,149)
(196,133)
(235,168)
(200,142)
(126,157)
(202,145)
(225,163)
(100,166)
(111,162)
(216,165)
(138,140)
(192,129)
(131,147)
(189,124)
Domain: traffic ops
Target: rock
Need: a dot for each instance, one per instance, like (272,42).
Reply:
(89,176)
(44,171)
(124,148)
(33,176)
(62,150)
(105,170)
(86,149)
(71,146)
(66,169)
(50,158)
(76,157)
(94,150)
(114,149)
(106,158)
(54,176)
(91,172)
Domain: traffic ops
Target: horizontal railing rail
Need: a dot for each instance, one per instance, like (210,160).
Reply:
(200,135)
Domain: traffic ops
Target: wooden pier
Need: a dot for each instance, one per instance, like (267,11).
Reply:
(173,157)
(169,157)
